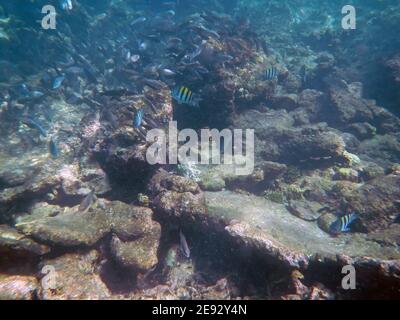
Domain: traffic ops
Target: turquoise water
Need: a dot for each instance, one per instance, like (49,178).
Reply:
(90,91)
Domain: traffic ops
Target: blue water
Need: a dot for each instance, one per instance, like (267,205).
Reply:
(318,81)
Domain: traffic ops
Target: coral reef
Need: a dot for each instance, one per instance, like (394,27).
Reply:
(78,196)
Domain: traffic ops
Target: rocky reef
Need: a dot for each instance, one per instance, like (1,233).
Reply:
(84,215)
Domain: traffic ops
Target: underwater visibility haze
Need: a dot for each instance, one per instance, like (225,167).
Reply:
(105,192)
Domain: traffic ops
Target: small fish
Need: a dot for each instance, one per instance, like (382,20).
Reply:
(126,54)
(397,219)
(135,58)
(87,202)
(32,123)
(36,94)
(138,119)
(271,73)
(170,13)
(138,21)
(143,46)
(23,90)
(74,70)
(184,245)
(53,148)
(303,74)
(66,5)
(184,95)
(167,72)
(58,82)
(343,223)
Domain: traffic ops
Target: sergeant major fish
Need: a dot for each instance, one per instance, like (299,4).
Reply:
(184,95)
(343,223)
(271,73)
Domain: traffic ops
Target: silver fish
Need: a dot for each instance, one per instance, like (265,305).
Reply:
(167,72)
(138,20)
(184,245)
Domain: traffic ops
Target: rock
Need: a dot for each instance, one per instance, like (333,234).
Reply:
(383,150)
(347,108)
(362,130)
(326,220)
(12,242)
(77,180)
(270,228)
(371,171)
(172,204)
(212,180)
(385,121)
(308,143)
(18,287)
(219,177)
(219,291)
(287,101)
(39,183)
(180,274)
(140,254)
(347,174)
(394,65)
(313,103)
(276,139)
(121,149)
(63,226)
(350,159)
(273,170)
(179,205)
(351,141)
(180,184)
(374,201)
(136,236)
(306,210)
(76,277)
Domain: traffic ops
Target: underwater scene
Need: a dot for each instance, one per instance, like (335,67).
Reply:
(199,149)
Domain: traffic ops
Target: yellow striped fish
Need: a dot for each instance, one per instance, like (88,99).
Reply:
(184,95)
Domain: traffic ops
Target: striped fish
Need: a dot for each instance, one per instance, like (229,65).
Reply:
(271,73)
(343,223)
(138,119)
(184,95)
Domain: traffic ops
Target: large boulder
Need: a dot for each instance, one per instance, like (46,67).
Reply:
(277,140)
(136,237)
(375,201)
(64,226)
